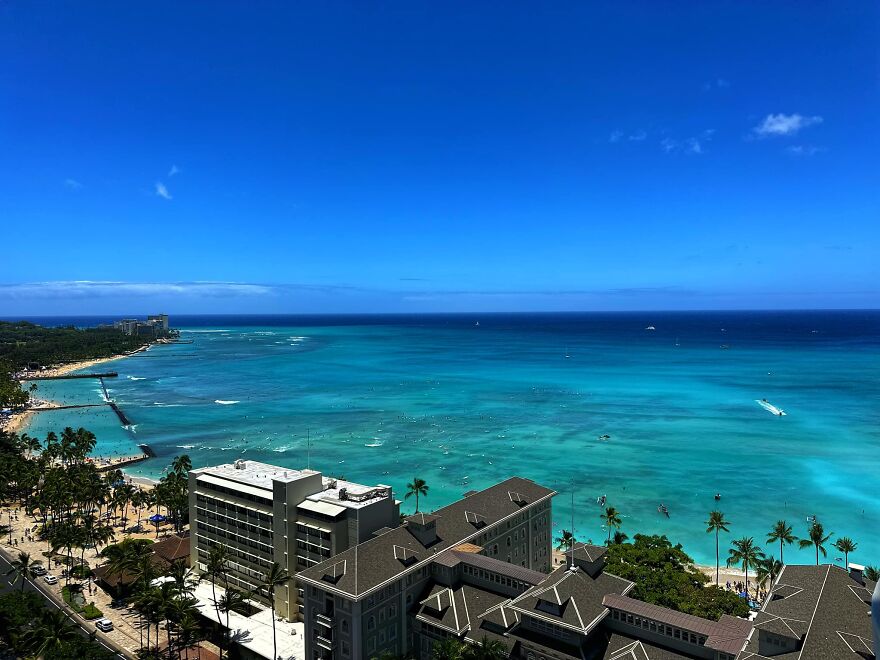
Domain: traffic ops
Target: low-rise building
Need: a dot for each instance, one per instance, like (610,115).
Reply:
(814,613)
(264,514)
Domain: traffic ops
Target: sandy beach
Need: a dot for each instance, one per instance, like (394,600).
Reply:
(19,420)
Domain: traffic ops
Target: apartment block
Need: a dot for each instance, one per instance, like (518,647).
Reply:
(263,513)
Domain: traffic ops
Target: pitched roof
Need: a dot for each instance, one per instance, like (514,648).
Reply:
(823,606)
(728,634)
(514,571)
(618,646)
(172,548)
(577,597)
(590,553)
(375,561)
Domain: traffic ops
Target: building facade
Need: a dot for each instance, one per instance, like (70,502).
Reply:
(363,601)
(264,514)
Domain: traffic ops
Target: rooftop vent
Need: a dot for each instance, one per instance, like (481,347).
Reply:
(404,555)
(239,464)
(343,493)
(517,498)
(475,519)
(335,572)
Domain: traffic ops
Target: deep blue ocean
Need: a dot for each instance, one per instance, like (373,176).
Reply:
(463,401)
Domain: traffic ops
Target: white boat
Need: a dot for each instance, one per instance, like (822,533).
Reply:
(769,407)
(650,327)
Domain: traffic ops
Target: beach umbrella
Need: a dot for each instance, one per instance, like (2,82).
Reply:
(157,518)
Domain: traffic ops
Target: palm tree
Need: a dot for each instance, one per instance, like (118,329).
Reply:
(486,649)
(417,487)
(449,648)
(189,632)
(612,521)
(872,573)
(49,637)
(565,540)
(766,569)
(185,579)
(717,524)
(846,545)
(817,538)
(781,532)
(619,537)
(276,577)
(227,603)
(218,558)
(745,553)
(23,567)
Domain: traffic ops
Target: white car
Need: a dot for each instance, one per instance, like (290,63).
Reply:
(51,579)
(104,625)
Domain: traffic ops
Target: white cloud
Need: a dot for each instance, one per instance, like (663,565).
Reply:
(615,136)
(804,150)
(638,136)
(668,145)
(72,184)
(782,124)
(90,288)
(162,191)
(174,170)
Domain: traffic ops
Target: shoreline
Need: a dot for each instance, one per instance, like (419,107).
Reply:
(18,421)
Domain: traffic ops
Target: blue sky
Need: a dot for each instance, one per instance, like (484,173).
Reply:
(407,156)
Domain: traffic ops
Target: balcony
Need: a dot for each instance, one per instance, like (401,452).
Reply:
(324,643)
(324,620)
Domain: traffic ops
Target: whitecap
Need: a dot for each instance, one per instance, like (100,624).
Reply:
(185,446)
(136,378)
(281,450)
(225,403)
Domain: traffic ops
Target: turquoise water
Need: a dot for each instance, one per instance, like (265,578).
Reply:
(463,406)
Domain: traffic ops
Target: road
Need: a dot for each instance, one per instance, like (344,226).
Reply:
(6,585)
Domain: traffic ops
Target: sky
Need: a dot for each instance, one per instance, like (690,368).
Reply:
(293,157)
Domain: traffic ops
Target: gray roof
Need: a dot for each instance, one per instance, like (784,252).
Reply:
(514,571)
(578,596)
(824,607)
(728,634)
(617,646)
(361,569)
(457,609)
(589,553)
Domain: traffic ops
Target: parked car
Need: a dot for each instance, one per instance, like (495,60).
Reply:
(51,579)
(38,570)
(104,625)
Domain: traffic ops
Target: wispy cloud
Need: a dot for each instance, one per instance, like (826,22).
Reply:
(72,184)
(690,145)
(174,170)
(718,83)
(635,136)
(162,191)
(782,124)
(804,150)
(91,288)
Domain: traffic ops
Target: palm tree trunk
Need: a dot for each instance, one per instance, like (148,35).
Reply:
(274,642)
(216,607)
(417,510)
(817,554)
(717,560)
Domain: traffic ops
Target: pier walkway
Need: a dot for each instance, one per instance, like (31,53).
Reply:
(107,374)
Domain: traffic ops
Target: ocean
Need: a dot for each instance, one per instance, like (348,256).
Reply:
(588,404)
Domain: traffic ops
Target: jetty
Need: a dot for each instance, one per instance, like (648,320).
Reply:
(66,407)
(121,415)
(107,374)
(118,463)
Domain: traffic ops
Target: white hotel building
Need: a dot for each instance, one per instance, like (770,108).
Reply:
(264,513)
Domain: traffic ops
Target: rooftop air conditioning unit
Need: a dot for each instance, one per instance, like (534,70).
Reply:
(239,464)
(343,493)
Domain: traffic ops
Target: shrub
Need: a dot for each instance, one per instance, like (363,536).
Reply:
(91,612)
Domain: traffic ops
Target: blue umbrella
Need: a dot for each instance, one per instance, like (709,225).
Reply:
(157,518)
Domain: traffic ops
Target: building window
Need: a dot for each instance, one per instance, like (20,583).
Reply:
(371,623)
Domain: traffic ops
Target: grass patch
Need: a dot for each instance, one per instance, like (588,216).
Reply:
(77,604)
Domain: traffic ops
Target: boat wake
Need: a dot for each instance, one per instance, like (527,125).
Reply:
(225,403)
(136,378)
(770,408)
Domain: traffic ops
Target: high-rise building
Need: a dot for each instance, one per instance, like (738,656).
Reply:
(265,514)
